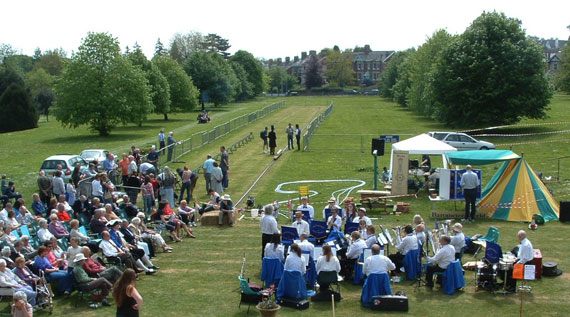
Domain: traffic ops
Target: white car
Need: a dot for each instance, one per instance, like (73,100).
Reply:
(67,163)
(462,141)
(99,155)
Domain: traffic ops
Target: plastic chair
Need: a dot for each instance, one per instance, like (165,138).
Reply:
(292,285)
(412,264)
(24,230)
(271,271)
(350,227)
(492,235)
(15,234)
(83,220)
(288,235)
(376,284)
(248,295)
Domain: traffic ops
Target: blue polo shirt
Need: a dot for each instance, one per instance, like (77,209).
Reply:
(209,166)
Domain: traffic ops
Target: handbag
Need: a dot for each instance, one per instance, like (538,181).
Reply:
(171,225)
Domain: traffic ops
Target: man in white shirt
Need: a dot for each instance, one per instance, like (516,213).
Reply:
(458,240)
(469,183)
(110,249)
(301,225)
(377,263)
(268,227)
(334,221)
(132,165)
(96,187)
(443,258)
(353,253)
(332,205)
(526,252)
(305,206)
(305,245)
(410,242)
(362,216)
(4,212)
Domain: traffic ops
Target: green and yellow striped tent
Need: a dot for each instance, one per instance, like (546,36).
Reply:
(514,193)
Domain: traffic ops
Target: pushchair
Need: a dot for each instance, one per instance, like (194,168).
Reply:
(44,294)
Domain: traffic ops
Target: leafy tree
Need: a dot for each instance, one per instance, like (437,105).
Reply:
(403,82)
(9,76)
(6,50)
(37,54)
(19,63)
(243,89)
(101,88)
(276,76)
(183,93)
(423,67)
(160,90)
(253,69)
(563,76)
(159,48)
(212,75)
(339,67)
(16,110)
(313,77)
(390,75)
(41,89)
(52,62)
(186,44)
(217,44)
(175,53)
(492,74)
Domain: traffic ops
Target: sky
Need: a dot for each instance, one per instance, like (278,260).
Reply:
(266,28)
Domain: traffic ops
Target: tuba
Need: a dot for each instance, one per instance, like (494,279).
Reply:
(398,233)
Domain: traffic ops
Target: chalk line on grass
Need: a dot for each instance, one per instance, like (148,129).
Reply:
(337,194)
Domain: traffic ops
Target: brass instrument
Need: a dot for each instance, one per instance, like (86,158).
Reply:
(445,226)
(434,240)
(399,233)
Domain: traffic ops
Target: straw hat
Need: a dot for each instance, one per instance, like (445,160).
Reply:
(226,197)
(79,257)
(458,227)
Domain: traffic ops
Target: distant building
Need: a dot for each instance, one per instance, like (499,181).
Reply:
(368,65)
(553,53)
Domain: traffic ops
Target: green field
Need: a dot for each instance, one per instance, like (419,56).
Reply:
(200,277)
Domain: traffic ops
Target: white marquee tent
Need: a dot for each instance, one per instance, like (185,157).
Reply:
(422,144)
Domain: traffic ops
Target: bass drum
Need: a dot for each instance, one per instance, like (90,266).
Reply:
(486,277)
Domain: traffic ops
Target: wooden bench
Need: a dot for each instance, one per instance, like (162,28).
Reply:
(374,199)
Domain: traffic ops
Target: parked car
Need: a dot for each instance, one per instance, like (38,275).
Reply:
(462,141)
(99,155)
(67,162)
(373,92)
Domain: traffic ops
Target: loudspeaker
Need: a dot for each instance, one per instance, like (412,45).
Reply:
(378,145)
(564,211)
(390,303)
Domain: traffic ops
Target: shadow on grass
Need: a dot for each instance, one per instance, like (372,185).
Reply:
(86,138)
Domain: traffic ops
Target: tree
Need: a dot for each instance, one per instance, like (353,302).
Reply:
(19,63)
(389,77)
(423,67)
(253,69)
(403,82)
(217,44)
(16,110)
(212,75)
(313,77)
(41,89)
(51,61)
(183,93)
(243,89)
(159,48)
(276,77)
(492,74)
(159,88)
(9,76)
(339,67)
(186,44)
(6,50)
(563,76)
(101,88)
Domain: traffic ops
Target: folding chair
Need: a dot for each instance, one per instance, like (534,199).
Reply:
(452,277)
(412,264)
(92,236)
(24,230)
(492,235)
(248,295)
(328,278)
(291,285)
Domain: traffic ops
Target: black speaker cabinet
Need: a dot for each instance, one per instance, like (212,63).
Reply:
(564,211)
(378,145)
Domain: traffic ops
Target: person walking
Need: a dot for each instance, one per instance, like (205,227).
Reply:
(171,145)
(298,137)
(225,166)
(263,136)
(290,131)
(469,184)
(161,140)
(208,167)
(127,298)
(272,140)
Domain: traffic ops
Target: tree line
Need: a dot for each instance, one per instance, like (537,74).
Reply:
(102,87)
(490,74)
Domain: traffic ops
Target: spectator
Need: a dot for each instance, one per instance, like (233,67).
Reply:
(24,273)
(128,300)
(171,145)
(133,167)
(290,132)
(208,167)
(148,195)
(97,187)
(56,255)
(98,223)
(70,192)
(52,273)
(124,165)
(58,184)
(9,279)
(186,183)
(45,187)
(96,269)
(25,217)
(263,136)
(187,214)
(7,235)
(298,136)
(27,249)
(73,250)
(76,175)
(216,179)
(86,283)
(167,181)
(11,192)
(161,140)
(62,214)
(139,228)
(82,239)
(108,188)
(173,226)
(134,184)
(272,140)
(225,166)
(7,257)
(226,207)
(152,157)
(38,206)
(81,207)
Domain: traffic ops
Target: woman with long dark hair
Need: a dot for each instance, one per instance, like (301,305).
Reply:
(274,249)
(326,263)
(295,262)
(272,140)
(126,296)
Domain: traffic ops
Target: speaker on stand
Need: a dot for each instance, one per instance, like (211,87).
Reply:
(378,145)
(564,211)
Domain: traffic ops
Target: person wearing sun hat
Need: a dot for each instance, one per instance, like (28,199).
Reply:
(458,240)
(226,206)
(332,205)
(86,283)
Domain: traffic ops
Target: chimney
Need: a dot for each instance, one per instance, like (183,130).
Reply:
(303,55)
(279,61)
(323,53)
(295,59)
(367,49)
(312,52)
(287,60)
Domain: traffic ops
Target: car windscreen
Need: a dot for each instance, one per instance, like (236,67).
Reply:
(90,154)
(52,164)
(439,136)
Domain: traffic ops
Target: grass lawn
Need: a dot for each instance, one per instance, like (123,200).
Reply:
(200,277)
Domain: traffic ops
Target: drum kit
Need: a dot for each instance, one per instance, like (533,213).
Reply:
(486,274)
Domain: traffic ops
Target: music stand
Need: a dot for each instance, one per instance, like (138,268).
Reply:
(419,279)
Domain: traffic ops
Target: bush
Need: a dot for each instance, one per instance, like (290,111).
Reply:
(16,110)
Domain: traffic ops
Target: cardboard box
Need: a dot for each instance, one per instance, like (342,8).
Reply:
(403,207)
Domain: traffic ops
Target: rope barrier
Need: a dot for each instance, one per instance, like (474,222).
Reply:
(523,134)
(515,126)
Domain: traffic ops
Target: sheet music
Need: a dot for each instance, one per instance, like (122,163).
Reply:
(529,272)
(367,253)
(382,239)
(317,252)
(306,257)
(389,236)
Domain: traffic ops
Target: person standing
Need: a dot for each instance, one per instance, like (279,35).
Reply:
(152,157)
(216,178)
(263,136)
(58,185)
(124,165)
(272,140)
(129,301)
(45,187)
(161,139)
(186,182)
(469,184)
(171,145)
(225,166)
(268,227)
(290,131)
(298,137)
(208,167)
(167,181)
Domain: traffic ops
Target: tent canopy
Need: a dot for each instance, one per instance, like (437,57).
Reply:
(423,144)
(479,157)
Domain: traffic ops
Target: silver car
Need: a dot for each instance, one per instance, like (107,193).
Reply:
(67,163)
(462,141)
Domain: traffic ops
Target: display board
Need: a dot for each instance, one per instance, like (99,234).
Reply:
(400,173)
(450,184)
